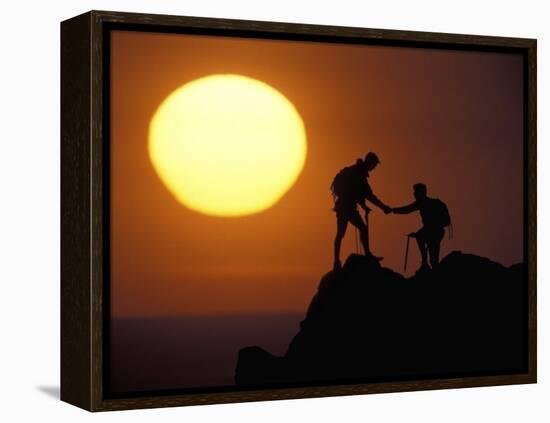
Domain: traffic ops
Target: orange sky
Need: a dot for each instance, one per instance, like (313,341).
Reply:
(450,119)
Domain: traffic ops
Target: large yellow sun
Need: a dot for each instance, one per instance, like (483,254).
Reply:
(227,145)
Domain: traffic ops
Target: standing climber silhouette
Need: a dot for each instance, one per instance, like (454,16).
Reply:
(350,188)
(435,218)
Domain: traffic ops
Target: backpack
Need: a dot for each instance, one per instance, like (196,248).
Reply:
(345,183)
(440,213)
(341,182)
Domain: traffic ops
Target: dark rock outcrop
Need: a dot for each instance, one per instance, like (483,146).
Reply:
(368,323)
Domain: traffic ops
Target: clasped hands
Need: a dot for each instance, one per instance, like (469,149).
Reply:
(385,209)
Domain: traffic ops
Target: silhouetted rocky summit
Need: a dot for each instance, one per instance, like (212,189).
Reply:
(369,323)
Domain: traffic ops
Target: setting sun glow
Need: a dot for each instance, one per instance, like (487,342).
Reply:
(227,145)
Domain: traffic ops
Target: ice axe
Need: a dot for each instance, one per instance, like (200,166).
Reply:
(357,242)
(406,252)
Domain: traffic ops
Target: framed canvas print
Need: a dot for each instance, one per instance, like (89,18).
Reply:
(258,210)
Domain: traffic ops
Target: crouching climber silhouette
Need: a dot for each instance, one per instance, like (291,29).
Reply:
(435,218)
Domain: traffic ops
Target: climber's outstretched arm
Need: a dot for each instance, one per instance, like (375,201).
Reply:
(406,209)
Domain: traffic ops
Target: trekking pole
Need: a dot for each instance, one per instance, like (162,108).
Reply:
(406,253)
(358,248)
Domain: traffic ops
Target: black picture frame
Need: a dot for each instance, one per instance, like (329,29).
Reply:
(85,201)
